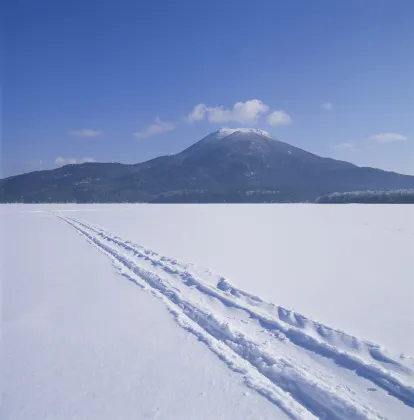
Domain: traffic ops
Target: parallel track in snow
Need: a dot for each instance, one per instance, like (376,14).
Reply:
(300,390)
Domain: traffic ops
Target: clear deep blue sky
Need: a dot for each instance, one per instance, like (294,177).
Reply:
(81,77)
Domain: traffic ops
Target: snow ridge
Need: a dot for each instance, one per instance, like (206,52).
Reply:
(246,332)
(327,335)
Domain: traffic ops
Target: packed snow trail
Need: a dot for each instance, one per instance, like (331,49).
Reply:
(304,367)
(337,345)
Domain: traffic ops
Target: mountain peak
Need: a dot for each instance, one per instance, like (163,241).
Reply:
(224,132)
(227,165)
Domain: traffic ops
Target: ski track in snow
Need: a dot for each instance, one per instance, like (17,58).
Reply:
(246,340)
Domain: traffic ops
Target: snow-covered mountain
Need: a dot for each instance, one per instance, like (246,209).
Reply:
(249,146)
(229,165)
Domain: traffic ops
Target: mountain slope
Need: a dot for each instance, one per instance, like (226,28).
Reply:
(227,165)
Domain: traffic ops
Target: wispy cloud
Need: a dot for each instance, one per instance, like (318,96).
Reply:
(279,118)
(242,112)
(362,144)
(349,147)
(85,132)
(61,161)
(156,127)
(327,106)
(388,137)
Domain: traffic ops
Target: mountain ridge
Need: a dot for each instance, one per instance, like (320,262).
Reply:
(224,166)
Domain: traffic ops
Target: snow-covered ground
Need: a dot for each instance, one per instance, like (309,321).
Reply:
(207,311)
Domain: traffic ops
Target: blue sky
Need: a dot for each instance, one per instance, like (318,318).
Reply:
(120,80)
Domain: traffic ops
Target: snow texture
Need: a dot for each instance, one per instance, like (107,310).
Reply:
(303,368)
(224,132)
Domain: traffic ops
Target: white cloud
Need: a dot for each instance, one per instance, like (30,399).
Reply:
(198,113)
(279,118)
(241,112)
(61,161)
(85,132)
(156,127)
(327,106)
(349,147)
(388,137)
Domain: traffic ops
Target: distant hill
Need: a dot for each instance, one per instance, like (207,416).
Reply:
(229,165)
